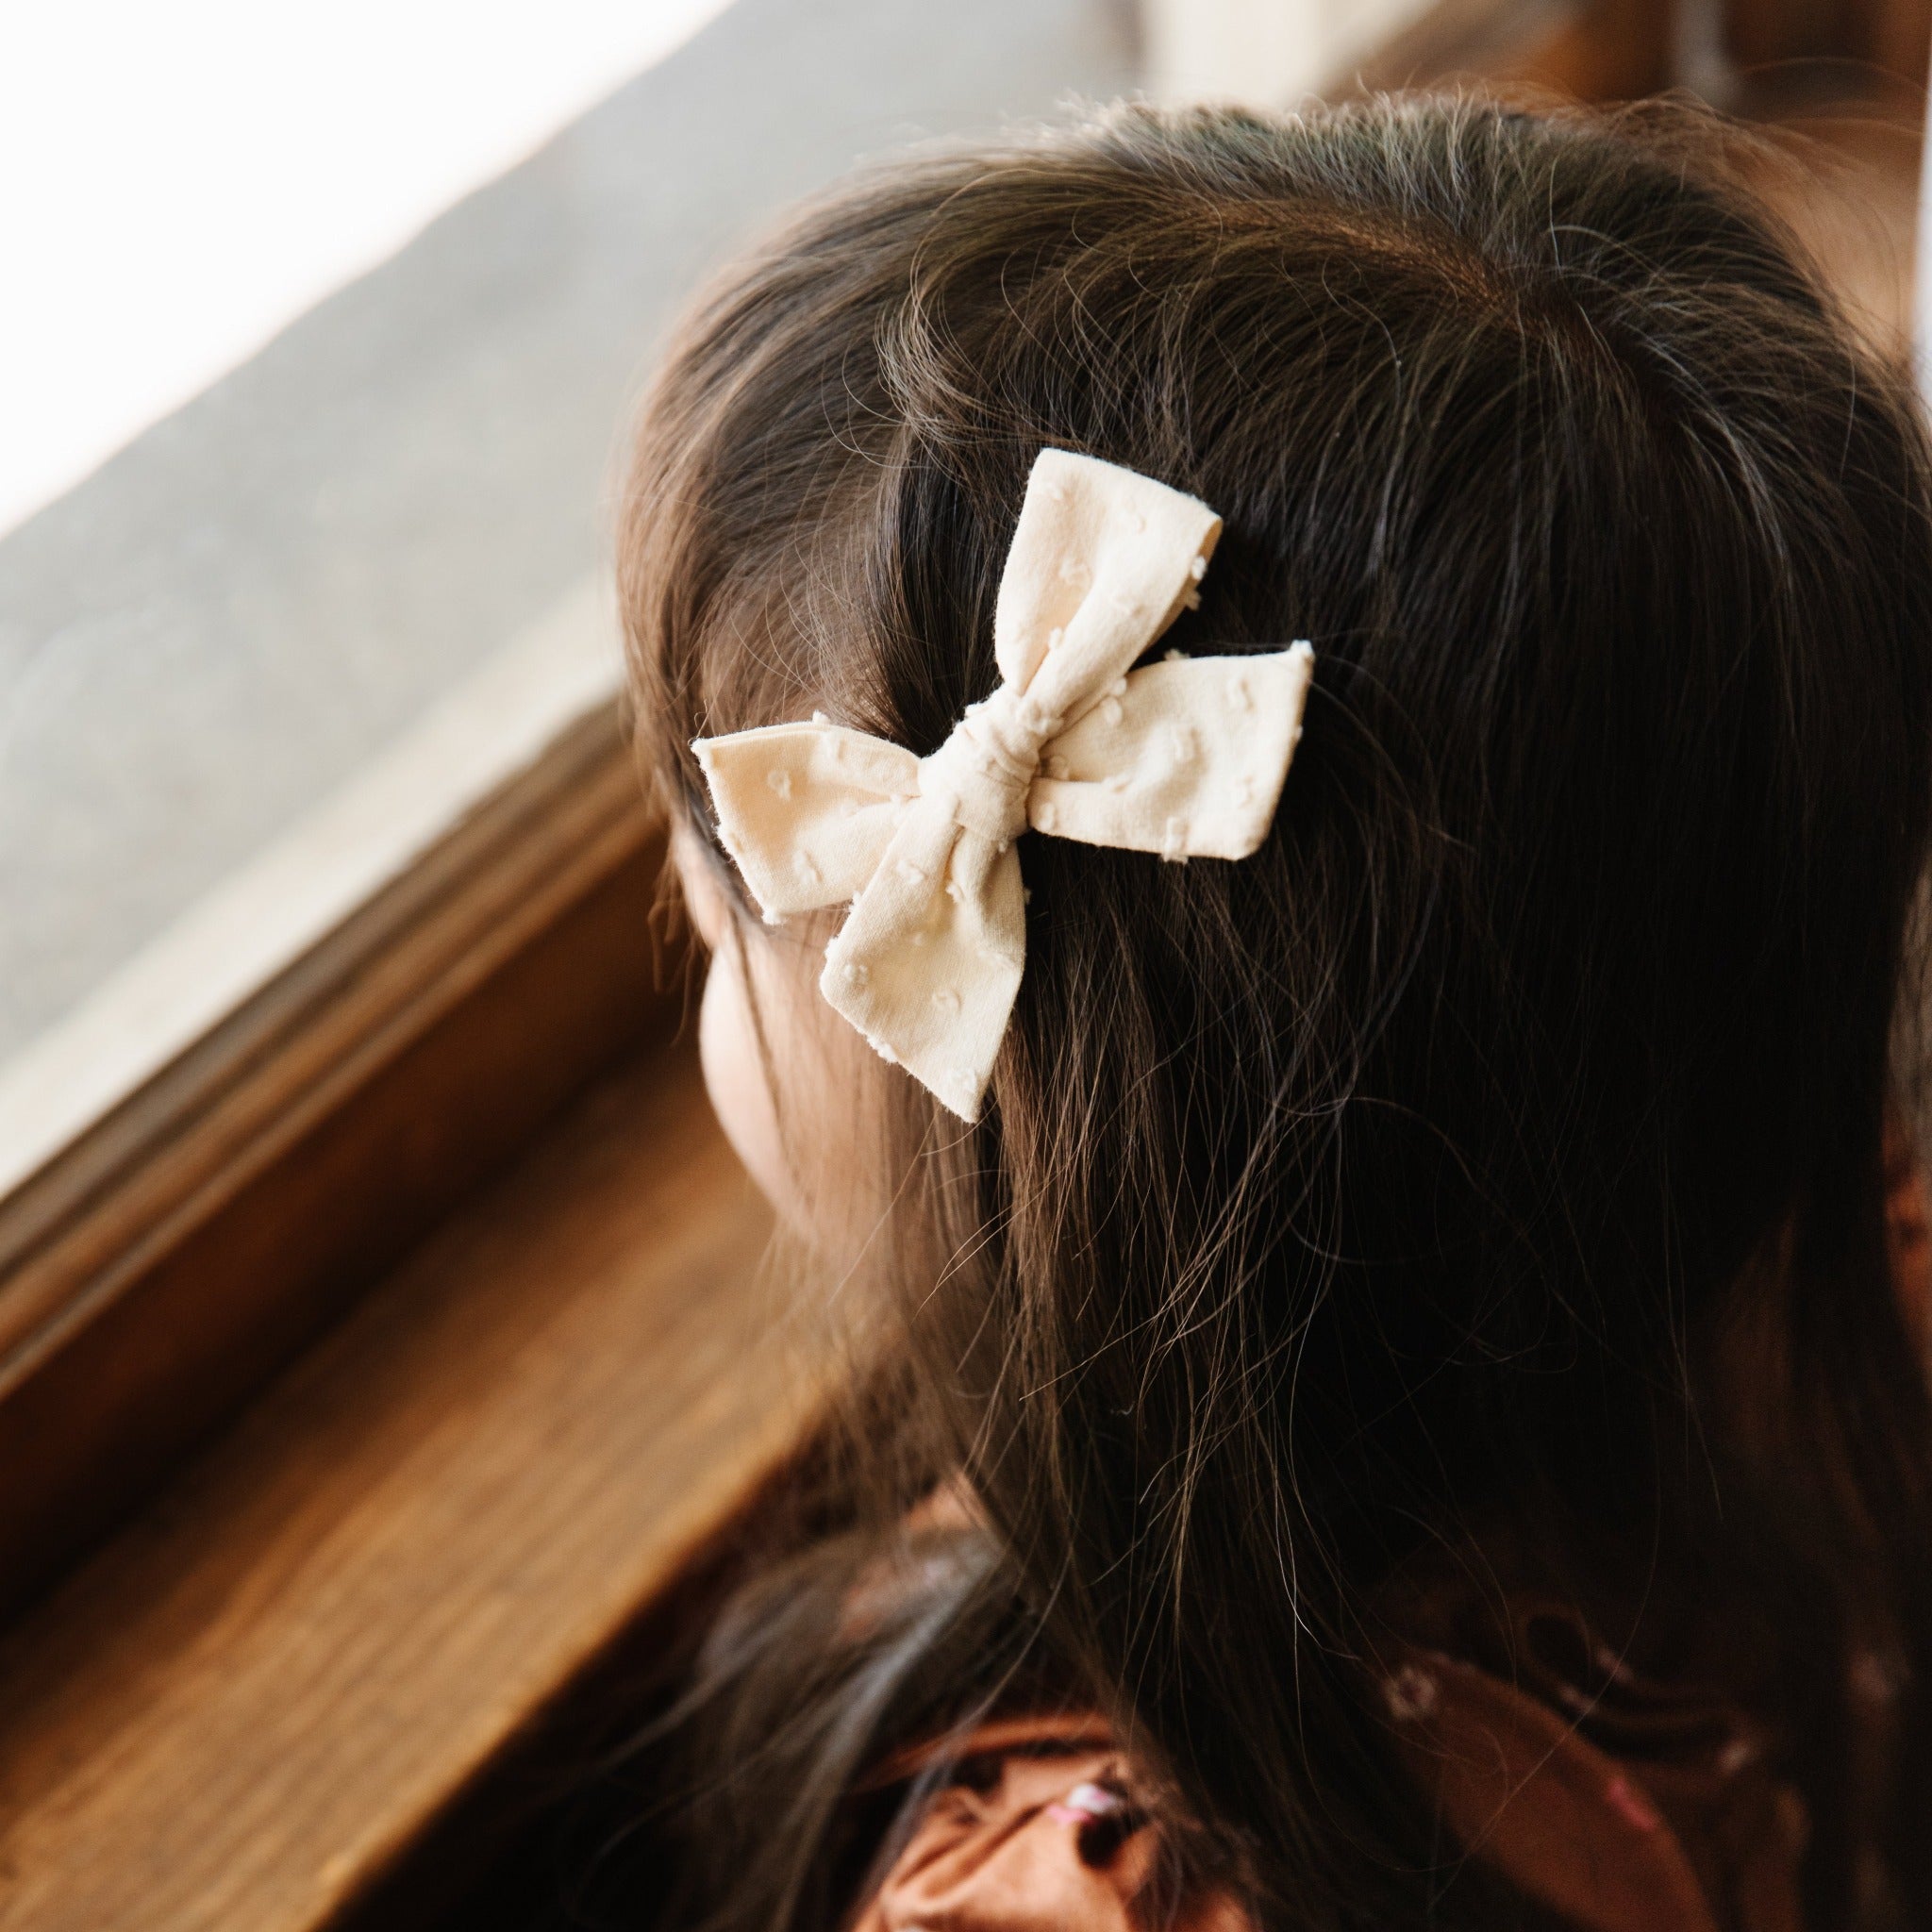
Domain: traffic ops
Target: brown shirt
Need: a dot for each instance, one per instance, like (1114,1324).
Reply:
(1654,1811)
(1037,1828)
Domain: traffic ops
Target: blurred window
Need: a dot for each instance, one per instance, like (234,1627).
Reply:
(246,549)
(177,183)
(322,327)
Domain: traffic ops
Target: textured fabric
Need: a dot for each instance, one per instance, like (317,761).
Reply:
(1623,1805)
(1036,1828)
(1669,1821)
(1184,758)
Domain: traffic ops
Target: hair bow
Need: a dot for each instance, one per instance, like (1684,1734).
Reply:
(1184,758)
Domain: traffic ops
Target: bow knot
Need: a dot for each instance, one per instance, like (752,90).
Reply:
(982,775)
(1184,758)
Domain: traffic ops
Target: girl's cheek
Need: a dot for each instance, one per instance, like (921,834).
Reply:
(762,1019)
(736,1080)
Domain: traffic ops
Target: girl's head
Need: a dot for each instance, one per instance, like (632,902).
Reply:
(1491,1160)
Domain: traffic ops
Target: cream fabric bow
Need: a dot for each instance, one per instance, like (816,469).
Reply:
(1185,757)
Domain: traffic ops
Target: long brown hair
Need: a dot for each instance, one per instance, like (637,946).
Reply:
(1386,1192)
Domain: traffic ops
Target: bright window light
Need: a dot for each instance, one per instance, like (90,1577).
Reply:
(178,182)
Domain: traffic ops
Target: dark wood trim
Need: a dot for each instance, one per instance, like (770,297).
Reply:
(1893,37)
(286,1697)
(1587,49)
(199,1237)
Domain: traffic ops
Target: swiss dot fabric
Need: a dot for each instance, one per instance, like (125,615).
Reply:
(1184,758)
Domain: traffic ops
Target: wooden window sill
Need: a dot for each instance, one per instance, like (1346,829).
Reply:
(246,1709)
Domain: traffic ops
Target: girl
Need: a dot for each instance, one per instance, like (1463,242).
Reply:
(1392,1314)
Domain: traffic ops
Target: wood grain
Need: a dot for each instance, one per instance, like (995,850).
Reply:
(189,1245)
(247,1708)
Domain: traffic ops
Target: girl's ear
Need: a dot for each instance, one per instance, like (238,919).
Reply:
(704,895)
(731,1041)
(731,1046)
(772,1063)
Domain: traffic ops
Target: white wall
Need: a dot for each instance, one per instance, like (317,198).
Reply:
(179,182)
(1263,53)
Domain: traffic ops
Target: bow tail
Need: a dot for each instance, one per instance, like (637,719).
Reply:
(927,965)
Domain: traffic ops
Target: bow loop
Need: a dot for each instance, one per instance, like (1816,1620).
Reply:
(1183,757)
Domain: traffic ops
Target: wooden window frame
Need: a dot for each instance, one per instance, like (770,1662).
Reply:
(171,1257)
(421,1520)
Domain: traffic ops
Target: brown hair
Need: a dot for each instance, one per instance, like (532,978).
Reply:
(1381,1193)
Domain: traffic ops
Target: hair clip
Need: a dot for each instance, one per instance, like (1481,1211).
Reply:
(1184,758)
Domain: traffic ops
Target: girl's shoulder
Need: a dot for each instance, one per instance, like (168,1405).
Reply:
(1616,1803)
